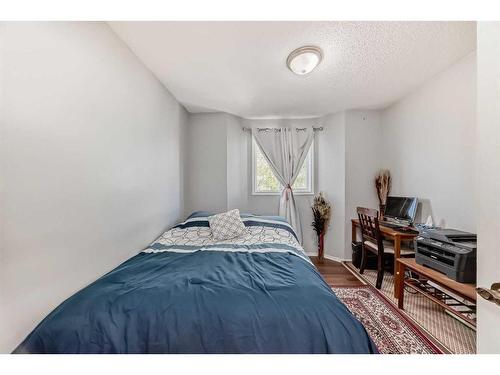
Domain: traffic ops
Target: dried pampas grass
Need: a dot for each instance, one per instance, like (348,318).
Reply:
(383,185)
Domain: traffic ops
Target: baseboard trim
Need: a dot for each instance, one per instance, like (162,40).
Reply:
(354,272)
(336,259)
(329,257)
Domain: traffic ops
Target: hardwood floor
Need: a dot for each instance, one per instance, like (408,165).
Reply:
(335,274)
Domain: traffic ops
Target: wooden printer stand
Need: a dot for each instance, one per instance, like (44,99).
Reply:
(464,310)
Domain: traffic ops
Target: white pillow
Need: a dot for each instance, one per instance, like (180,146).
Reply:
(226,225)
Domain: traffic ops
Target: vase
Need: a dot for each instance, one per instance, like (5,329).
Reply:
(321,244)
(381,211)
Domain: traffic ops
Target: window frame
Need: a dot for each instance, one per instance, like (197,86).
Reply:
(310,175)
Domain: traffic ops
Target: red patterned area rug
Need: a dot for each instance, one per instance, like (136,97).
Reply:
(391,331)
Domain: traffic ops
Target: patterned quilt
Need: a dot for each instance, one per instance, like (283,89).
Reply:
(264,234)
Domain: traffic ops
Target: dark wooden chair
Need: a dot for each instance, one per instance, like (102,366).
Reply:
(373,241)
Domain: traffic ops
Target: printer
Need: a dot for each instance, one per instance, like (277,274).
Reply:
(448,251)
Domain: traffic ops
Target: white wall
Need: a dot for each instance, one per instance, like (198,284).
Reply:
(90,164)
(349,157)
(488,182)
(237,165)
(429,143)
(206,163)
(216,164)
(331,179)
(363,159)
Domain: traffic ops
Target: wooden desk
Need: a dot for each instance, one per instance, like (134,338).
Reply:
(396,236)
(465,291)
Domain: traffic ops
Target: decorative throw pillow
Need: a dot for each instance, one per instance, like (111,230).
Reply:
(226,225)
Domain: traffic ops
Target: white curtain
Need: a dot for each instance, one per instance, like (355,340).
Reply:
(285,149)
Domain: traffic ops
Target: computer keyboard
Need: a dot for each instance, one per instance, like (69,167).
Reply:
(399,227)
(407,230)
(389,224)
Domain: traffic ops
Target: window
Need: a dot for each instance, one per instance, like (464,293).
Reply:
(264,182)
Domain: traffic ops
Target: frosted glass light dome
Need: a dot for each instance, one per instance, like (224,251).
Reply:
(304,60)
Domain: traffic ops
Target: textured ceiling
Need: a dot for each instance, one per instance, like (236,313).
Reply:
(239,67)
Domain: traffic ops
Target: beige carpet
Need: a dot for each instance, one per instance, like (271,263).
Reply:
(451,333)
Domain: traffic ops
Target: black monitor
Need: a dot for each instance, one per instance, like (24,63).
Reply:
(401,208)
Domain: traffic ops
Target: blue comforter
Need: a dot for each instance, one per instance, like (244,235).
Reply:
(203,301)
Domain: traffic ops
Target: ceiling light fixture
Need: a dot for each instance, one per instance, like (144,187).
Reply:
(304,60)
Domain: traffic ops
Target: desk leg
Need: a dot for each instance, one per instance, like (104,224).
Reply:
(397,254)
(353,232)
(400,281)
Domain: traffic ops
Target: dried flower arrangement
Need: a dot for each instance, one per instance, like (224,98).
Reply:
(321,219)
(383,186)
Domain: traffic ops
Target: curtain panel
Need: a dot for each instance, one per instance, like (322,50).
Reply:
(285,149)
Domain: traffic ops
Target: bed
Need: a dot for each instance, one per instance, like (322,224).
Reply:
(187,293)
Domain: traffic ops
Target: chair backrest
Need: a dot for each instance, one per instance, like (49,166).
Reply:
(370,230)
